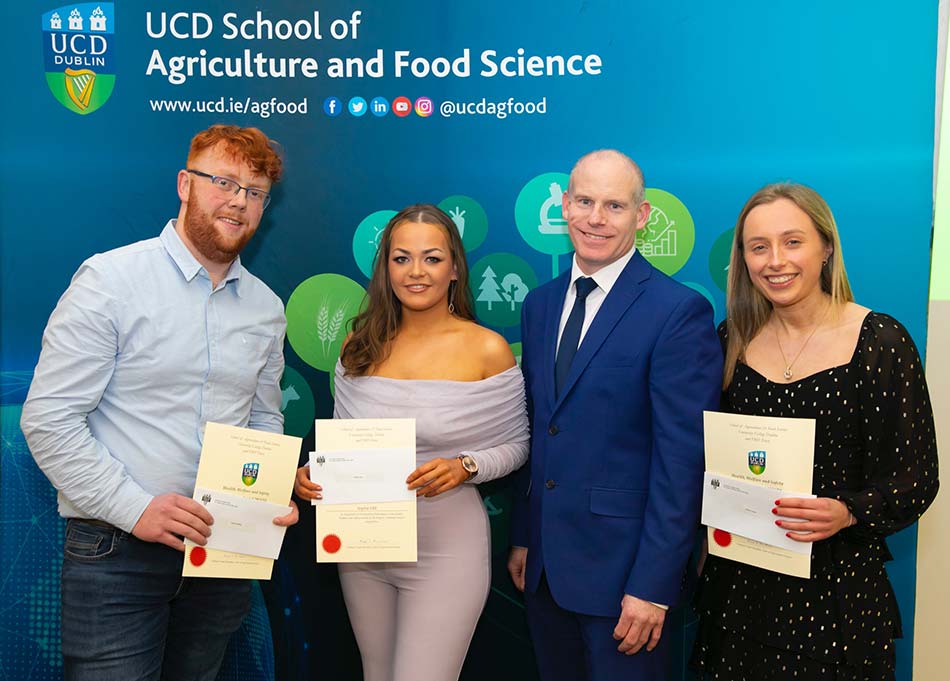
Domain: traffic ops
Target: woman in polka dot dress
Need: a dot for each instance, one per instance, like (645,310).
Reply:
(797,345)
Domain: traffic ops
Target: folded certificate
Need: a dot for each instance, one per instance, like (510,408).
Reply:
(251,464)
(242,525)
(367,513)
(776,454)
(745,509)
(359,476)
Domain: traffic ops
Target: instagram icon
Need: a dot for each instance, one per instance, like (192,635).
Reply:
(424,107)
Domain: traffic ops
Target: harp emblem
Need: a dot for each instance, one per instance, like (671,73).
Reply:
(79,85)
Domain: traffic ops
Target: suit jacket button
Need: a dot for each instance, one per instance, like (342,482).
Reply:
(550,484)
(552,430)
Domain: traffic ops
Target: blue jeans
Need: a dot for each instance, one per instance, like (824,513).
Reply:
(129,615)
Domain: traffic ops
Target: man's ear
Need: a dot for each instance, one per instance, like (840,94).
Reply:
(643,214)
(184,185)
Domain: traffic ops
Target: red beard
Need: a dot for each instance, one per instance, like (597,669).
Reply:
(211,243)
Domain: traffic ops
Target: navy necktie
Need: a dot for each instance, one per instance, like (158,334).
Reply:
(571,336)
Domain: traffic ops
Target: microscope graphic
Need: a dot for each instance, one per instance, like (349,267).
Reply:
(552,224)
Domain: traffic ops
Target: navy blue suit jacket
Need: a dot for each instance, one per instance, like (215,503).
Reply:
(610,497)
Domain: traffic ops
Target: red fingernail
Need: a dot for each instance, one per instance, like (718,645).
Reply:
(778,502)
(775,511)
(788,534)
(778,522)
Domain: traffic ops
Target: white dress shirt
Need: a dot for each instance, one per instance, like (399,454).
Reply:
(605,278)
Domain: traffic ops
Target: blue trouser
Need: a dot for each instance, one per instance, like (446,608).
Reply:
(129,615)
(571,646)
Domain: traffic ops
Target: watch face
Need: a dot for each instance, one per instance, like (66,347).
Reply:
(468,463)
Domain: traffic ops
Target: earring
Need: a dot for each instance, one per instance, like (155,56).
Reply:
(824,262)
(452,286)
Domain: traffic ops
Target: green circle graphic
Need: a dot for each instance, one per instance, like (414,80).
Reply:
(538,214)
(499,284)
(470,218)
(319,312)
(719,258)
(702,290)
(667,240)
(296,403)
(366,239)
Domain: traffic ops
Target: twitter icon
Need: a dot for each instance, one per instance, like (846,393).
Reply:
(357,106)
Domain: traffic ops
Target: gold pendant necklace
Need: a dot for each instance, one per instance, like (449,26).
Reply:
(788,365)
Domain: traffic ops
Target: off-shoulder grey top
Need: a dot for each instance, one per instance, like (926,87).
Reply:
(487,418)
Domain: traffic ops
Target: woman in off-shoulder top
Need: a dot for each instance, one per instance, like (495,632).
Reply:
(796,345)
(417,352)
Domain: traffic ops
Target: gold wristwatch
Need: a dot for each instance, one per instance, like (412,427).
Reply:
(469,464)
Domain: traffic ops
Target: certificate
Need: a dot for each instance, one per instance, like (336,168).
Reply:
(770,453)
(242,525)
(745,509)
(367,513)
(250,464)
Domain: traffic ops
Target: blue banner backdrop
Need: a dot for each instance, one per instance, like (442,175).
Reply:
(482,106)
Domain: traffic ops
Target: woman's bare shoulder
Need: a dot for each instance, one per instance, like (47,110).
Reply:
(491,348)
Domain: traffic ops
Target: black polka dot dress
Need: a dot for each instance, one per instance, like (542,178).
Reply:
(875,450)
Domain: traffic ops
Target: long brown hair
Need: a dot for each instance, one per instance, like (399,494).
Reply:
(747,309)
(376,326)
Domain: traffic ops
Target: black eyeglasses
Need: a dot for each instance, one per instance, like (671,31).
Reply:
(228,187)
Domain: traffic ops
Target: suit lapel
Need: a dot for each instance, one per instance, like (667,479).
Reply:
(625,291)
(552,320)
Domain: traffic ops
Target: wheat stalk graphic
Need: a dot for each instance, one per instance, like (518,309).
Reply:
(336,322)
(323,320)
(329,327)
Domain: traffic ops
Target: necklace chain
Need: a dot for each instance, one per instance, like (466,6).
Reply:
(788,365)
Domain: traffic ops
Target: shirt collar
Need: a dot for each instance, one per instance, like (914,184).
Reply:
(606,276)
(188,264)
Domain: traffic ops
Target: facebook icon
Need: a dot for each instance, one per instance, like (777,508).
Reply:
(332,106)
(379,106)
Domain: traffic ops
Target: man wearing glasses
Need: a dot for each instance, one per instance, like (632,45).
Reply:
(148,343)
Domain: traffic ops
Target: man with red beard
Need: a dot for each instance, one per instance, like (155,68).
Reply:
(150,342)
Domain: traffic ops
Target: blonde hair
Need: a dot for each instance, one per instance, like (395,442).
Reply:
(747,309)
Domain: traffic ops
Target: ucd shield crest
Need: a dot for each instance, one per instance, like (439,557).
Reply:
(78,52)
(249,476)
(757,461)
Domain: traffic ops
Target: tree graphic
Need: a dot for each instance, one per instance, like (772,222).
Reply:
(488,291)
(513,289)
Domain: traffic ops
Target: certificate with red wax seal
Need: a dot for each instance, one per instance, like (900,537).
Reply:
(750,459)
(367,513)
(239,469)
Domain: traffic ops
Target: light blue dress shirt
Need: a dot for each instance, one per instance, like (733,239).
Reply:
(138,355)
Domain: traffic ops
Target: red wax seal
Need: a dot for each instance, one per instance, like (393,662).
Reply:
(722,537)
(331,543)
(198,556)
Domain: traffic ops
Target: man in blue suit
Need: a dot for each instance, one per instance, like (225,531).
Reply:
(619,361)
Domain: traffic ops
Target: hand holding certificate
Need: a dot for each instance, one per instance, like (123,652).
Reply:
(756,460)
(746,509)
(359,476)
(244,480)
(366,513)
(242,525)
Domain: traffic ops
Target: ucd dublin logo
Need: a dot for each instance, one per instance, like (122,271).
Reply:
(757,462)
(249,476)
(78,49)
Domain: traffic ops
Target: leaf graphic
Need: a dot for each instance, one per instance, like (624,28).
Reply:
(323,318)
(336,323)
